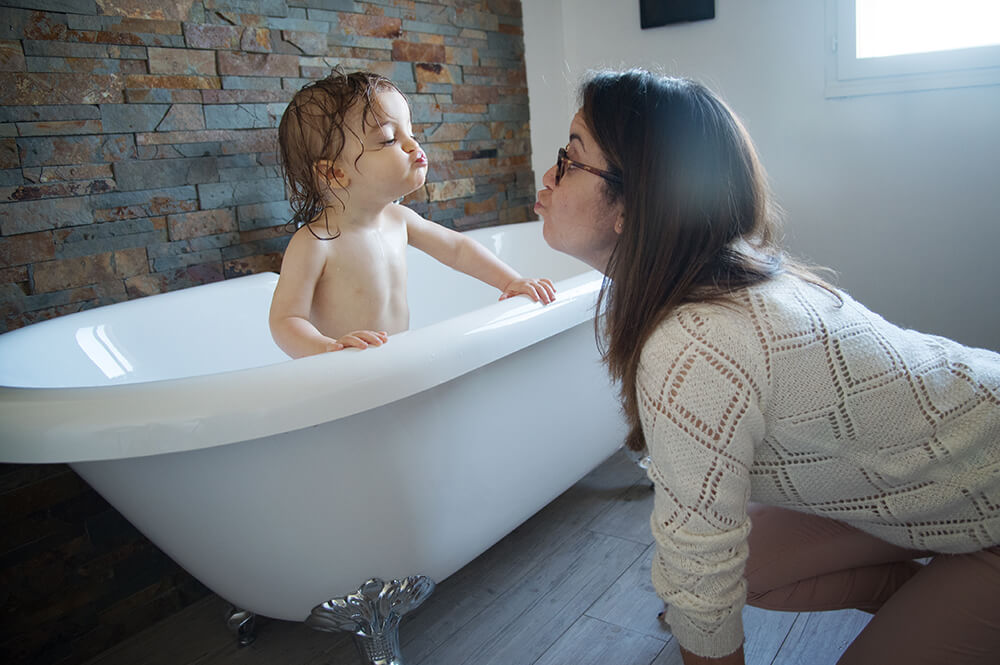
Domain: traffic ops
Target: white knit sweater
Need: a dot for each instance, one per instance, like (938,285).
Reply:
(794,398)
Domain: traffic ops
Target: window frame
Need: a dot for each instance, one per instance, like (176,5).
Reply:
(849,76)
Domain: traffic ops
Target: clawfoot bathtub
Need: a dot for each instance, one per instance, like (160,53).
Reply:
(284,484)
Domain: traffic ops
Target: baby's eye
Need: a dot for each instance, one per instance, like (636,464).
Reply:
(389,141)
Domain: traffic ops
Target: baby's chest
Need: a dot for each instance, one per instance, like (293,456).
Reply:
(374,274)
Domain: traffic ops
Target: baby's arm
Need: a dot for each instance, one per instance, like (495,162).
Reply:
(291,304)
(462,253)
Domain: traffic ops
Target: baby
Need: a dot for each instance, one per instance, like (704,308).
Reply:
(348,152)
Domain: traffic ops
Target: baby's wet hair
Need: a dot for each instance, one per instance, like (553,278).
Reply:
(314,127)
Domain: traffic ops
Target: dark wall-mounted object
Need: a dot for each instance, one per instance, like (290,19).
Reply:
(654,13)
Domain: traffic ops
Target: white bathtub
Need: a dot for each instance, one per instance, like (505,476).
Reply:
(280,484)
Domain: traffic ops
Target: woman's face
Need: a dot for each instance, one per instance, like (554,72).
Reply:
(578,219)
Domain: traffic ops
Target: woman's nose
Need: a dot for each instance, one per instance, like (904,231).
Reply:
(549,177)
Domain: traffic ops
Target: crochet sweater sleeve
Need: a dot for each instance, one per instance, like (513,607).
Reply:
(699,389)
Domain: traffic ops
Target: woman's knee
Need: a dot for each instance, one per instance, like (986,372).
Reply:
(947,613)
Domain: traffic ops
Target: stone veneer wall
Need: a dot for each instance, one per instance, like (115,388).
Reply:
(137,156)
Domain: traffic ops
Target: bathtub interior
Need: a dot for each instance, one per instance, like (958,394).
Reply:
(222,327)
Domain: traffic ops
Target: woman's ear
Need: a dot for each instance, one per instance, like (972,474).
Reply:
(332,174)
(620,223)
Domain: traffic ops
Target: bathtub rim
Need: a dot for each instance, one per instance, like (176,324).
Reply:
(174,415)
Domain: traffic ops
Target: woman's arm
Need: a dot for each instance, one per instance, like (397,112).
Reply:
(701,417)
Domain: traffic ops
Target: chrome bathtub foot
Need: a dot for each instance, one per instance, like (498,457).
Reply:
(641,461)
(373,614)
(243,624)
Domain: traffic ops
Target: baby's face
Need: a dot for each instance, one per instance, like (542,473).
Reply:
(382,158)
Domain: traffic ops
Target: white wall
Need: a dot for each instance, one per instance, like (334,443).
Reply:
(900,193)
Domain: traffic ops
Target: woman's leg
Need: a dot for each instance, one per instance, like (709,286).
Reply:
(948,613)
(800,562)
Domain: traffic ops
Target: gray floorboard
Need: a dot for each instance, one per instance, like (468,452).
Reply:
(593,642)
(819,638)
(631,602)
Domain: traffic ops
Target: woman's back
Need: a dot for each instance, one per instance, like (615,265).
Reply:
(891,430)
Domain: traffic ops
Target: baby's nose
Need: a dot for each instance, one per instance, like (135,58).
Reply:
(411,144)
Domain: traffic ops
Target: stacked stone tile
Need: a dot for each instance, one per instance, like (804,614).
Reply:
(137,156)
(137,139)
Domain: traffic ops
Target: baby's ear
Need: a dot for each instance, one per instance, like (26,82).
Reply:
(331,173)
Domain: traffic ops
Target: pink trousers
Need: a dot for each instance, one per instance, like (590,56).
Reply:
(946,612)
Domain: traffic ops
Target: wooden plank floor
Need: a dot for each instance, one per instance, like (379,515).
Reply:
(568,587)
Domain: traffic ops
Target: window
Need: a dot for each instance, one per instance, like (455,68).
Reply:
(881,46)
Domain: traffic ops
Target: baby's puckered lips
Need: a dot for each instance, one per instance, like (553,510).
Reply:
(420,159)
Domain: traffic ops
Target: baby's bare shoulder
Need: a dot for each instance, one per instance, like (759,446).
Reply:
(319,230)
(399,213)
(318,235)
(310,246)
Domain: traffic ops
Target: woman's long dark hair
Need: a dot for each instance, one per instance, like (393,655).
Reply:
(698,222)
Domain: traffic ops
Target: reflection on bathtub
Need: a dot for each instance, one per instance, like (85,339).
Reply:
(95,343)
(522,313)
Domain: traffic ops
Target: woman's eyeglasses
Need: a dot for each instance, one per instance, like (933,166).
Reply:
(563,160)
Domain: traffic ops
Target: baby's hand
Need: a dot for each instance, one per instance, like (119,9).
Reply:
(359,339)
(539,290)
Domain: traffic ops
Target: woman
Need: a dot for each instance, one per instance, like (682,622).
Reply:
(863,447)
